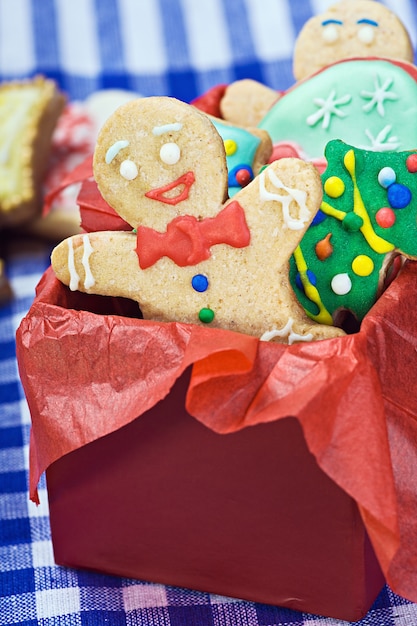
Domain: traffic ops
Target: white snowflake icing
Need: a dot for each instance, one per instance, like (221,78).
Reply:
(382,142)
(286,331)
(327,108)
(378,97)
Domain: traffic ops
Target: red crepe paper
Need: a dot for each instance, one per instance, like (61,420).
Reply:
(95,213)
(81,172)
(87,374)
(209,102)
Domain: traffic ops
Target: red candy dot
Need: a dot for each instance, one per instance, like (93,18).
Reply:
(243,177)
(385,217)
(411,163)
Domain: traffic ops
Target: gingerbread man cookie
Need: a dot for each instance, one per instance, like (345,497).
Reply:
(194,255)
(351,29)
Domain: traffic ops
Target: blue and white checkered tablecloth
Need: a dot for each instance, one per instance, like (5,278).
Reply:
(171,47)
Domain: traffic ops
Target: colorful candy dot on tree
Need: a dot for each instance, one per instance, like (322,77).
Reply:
(363,265)
(411,163)
(334,186)
(311,279)
(399,196)
(341,284)
(385,217)
(386,177)
(324,248)
(319,217)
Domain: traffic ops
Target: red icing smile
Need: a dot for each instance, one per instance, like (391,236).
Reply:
(183,184)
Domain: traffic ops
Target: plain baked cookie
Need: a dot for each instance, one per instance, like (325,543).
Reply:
(29,112)
(195,256)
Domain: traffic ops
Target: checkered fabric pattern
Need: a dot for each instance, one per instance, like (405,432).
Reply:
(171,47)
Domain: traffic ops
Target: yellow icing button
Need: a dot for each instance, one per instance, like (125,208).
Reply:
(334,187)
(362,265)
(230,146)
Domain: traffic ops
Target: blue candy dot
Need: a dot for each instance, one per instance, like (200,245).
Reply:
(200,282)
(399,196)
(318,218)
(311,277)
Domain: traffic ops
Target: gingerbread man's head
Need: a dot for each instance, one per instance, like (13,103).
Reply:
(348,29)
(157,158)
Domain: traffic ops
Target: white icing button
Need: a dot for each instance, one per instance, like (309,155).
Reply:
(366,34)
(330,33)
(128,169)
(170,153)
(386,177)
(341,284)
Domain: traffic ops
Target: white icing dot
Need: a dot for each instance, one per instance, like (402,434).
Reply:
(386,177)
(128,169)
(341,284)
(366,34)
(330,33)
(170,153)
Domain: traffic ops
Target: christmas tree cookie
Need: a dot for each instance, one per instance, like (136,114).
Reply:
(367,220)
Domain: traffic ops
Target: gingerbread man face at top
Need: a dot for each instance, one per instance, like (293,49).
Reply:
(351,28)
(157,158)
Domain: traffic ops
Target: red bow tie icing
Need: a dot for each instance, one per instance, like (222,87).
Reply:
(187,240)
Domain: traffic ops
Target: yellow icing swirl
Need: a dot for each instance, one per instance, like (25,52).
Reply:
(323,316)
(378,244)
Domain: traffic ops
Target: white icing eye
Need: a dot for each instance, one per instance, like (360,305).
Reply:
(128,169)
(366,34)
(170,153)
(330,33)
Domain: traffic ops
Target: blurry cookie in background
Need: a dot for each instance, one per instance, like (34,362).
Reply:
(73,142)
(347,30)
(29,111)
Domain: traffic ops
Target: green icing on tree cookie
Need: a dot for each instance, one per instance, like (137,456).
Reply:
(368,215)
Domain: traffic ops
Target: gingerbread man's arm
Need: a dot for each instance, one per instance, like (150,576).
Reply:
(246,102)
(103,263)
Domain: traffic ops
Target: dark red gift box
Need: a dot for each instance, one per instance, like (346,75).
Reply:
(208,459)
